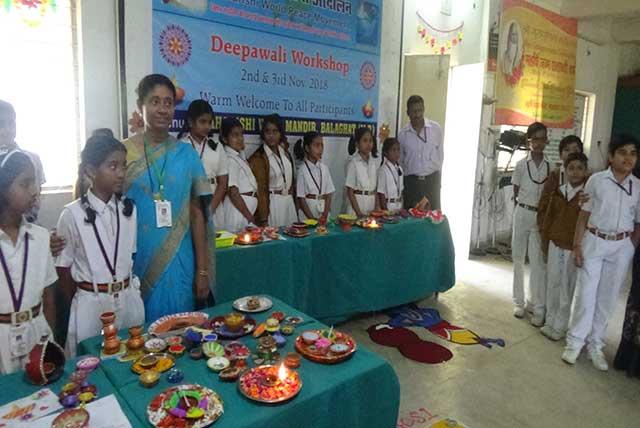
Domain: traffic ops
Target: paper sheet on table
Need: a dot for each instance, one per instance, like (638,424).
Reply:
(105,413)
(26,409)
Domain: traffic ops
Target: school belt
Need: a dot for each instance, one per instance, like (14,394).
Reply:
(280,192)
(609,236)
(252,194)
(364,192)
(314,197)
(528,207)
(394,200)
(111,288)
(15,318)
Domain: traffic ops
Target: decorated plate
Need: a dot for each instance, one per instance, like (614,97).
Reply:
(218,326)
(263,384)
(72,418)
(417,213)
(176,324)
(164,362)
(190,405)
(296,232)
(264,304)
(329,354)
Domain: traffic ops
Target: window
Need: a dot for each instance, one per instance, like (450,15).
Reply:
(39,77)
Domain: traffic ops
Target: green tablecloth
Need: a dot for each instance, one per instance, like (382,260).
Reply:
(339,275)
(361,392)
(16,386)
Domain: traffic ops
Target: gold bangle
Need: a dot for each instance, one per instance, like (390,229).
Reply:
(203,273)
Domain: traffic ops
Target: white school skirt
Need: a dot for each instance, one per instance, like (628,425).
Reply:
(234,221)
(36,328)
(87,306)
(282,210)
(367,204)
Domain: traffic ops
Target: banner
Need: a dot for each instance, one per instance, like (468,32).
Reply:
(536,66)
(250,58)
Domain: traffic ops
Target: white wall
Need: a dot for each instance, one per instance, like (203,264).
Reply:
(629,63)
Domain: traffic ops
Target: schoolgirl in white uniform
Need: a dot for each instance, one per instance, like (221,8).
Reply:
(314,185)
(241,199)
(390,180)
(362,173)
(196,131)
(100,232)
(26,265)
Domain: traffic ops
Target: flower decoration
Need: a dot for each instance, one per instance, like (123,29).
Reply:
(513,78)
(175,45)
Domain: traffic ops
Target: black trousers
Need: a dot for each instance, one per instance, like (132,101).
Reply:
(415,188)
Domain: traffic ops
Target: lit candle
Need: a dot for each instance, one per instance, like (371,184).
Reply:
(374,224)
(247,237)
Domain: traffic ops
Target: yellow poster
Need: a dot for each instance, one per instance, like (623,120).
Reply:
(535,79)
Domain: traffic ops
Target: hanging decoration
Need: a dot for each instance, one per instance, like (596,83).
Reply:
(440,41)
(32,12)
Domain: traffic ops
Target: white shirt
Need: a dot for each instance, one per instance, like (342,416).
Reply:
(569,191)
(361,174)
(214,161)
(41,271)
(307,173)
(613,210)
(280,170)
(82,242)
(421,153)
(240,174)
(390,182)
(530,179)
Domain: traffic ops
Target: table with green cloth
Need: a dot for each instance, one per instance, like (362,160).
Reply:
(16,386)
(335,276)
(360,392)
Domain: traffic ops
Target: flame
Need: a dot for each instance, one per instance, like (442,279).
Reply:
(246,237)
(282,373)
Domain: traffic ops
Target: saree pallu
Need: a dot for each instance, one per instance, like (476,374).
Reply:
(165,257)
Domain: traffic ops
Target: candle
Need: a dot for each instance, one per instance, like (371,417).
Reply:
(246,237)
(374,224)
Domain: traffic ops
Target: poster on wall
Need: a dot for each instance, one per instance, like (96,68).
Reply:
(314,62)
(535,79)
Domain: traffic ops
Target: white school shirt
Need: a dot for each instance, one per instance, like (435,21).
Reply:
(41,271)
(307,172)
(421,153)
(82,252)
(390,182)
(530,179)
(214,161)
(240,174)
(613,210)
(361,174)
(280,170)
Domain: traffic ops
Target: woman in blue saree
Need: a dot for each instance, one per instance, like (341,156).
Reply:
(175,258)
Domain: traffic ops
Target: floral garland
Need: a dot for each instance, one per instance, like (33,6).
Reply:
(513,78)
(441,41)
(32,11)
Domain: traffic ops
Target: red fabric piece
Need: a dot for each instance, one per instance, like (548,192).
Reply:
(425,352)
(393,337)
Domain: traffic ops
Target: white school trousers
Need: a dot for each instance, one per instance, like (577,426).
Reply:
(561,283)
(606,265)
(526,237)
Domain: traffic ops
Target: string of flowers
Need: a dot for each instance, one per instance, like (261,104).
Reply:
(440,41)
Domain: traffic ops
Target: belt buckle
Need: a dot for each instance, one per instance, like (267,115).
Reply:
(116,287)
(20,317)
(421,177)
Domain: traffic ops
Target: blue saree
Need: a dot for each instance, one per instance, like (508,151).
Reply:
(165,257)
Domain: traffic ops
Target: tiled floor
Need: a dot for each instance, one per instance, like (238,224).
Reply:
(524,384)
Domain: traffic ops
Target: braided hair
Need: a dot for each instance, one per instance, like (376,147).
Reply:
(95,152)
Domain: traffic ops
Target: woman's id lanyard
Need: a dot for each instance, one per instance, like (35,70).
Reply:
(163,207)
(111,267)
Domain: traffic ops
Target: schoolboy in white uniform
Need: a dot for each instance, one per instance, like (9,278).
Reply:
(528,179)
(604,244)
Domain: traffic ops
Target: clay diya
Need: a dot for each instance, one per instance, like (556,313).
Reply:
(270,384)
(218,364)
(149,379)
(175,376)
(310,337)
(292,360)
(273,325)
(173,340)
(196,354)
(234,321)
(155,345)
(177,350)
(212,349)
(287,329)
(148,361)
(278,315)
(236,351)
(73,418)
(88,363)
(230,374)
(45,362)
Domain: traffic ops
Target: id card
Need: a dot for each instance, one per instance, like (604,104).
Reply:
(163,214)
(18,340)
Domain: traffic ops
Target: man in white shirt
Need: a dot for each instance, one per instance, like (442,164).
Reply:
(422,154)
